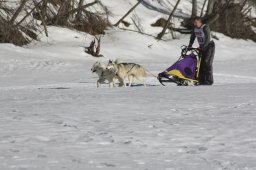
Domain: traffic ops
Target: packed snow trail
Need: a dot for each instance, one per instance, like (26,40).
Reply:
(150,128)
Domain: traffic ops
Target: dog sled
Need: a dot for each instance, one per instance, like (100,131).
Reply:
(185,70)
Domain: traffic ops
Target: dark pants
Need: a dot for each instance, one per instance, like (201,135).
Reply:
(206,71)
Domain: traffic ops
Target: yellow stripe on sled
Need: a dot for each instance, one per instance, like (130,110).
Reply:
(178,74)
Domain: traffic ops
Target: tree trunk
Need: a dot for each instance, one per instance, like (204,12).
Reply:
(79,13)
(202,10)
(62,17)
(44,9)
(128,13)
(194,8)
(210,6)
(160,35)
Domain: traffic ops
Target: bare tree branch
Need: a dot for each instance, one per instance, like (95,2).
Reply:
(160,35)
(82,7)
(17,12)
(42,18)
(118,22)
(29,13)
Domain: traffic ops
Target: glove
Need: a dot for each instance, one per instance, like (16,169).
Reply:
(200,49)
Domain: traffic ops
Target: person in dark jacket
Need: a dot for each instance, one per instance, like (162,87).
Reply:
(203,34)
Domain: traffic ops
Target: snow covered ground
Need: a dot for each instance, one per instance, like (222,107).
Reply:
(52,116)
(81,127)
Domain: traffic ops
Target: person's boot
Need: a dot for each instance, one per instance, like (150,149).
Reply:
(207,83)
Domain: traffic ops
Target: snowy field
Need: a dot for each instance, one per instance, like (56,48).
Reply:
(52,116)
(150,128)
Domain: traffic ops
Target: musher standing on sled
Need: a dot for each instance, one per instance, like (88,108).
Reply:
(203,34)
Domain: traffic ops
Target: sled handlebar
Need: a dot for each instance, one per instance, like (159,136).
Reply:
(185,49)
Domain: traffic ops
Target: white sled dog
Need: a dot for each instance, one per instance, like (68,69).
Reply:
(130,70)
(104,74)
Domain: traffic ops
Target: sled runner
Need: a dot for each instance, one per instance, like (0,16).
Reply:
(185,70)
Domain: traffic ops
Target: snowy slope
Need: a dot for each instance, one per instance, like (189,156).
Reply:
(52,116)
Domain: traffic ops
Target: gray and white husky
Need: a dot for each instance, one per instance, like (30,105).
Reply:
(130,70)
(104,74)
